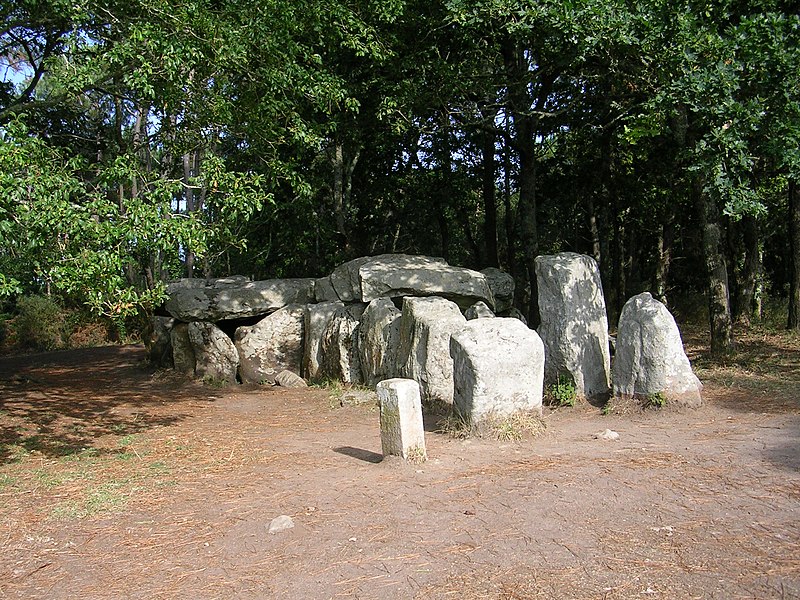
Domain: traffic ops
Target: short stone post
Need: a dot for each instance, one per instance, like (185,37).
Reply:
(402,431)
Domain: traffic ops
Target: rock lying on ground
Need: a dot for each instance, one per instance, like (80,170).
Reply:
(649,360)
(498,367)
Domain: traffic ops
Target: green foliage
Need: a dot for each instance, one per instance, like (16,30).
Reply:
(41,323)
(657,400)
(563,392)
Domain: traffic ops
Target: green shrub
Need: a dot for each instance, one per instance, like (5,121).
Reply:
(562,393)
(40,324)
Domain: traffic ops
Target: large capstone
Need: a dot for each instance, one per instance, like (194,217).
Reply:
(339,349)
(379,340)
(574,325)
(650,358)
(234,297)
(272,345)
(399,275)
(216,357)
(426,325)
(317,317)
(498,367)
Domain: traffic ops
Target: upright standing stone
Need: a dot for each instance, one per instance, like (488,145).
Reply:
(498,367)
(158,342)
(317,317)
(182,350)
(502,285)
(402,430)
(649,355)
(574,325)
(379,340)
(425,329)
(339,350)
(216,357)
(272,345)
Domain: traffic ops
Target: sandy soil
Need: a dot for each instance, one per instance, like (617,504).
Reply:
(119,483)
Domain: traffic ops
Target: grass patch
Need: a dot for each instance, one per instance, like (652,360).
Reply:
(107,497)
(511,428)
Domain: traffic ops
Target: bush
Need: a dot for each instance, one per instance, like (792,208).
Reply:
(40,324)
(562,393)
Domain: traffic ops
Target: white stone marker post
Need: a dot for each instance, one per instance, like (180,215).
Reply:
(402,431)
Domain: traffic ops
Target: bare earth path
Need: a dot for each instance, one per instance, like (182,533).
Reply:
(117,483)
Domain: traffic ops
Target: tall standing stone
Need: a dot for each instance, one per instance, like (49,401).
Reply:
(498,367)
(182,350)
(317,317)
(574,325)
(339,349)
(379,341)
(426,325)
(402,429)
(216,357)
(650,358)
(272,345)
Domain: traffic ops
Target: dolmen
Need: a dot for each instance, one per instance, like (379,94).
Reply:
(453,331)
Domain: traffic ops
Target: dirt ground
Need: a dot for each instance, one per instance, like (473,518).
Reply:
(117,482)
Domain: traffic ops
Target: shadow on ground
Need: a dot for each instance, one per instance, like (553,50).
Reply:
(54,405)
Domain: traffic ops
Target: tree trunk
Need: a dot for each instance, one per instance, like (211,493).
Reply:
(794,255)
(188,173)
(489,195)
(744,307)
(719,306)
(664,258)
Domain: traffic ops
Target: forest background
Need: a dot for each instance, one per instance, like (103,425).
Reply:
(144,140)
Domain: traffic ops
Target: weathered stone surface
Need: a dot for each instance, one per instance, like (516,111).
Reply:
(379,340)
(502,286)
(513,313)
(234,298)
(498,367)
(574,325)
(216,358)
(479,310)
(426,325)
(272,345)
(396,275)
(317,317)
(279,524)
(323,290)
(182,350)
(402,430)
(339,347)
(288,379)
(649,357)
(159,343)
(345,280)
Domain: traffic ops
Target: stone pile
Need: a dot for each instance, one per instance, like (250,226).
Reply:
(449,329)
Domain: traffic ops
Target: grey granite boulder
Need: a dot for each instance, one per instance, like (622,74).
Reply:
(182,349)
(379,340)
(502,286)
(158,341)
(479,310)
(398,275)
(234,297)
(498,369)
(574,325)
(317,317)
(216,357)
(426,325)
(272,345)
(650,358)
(339,347)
